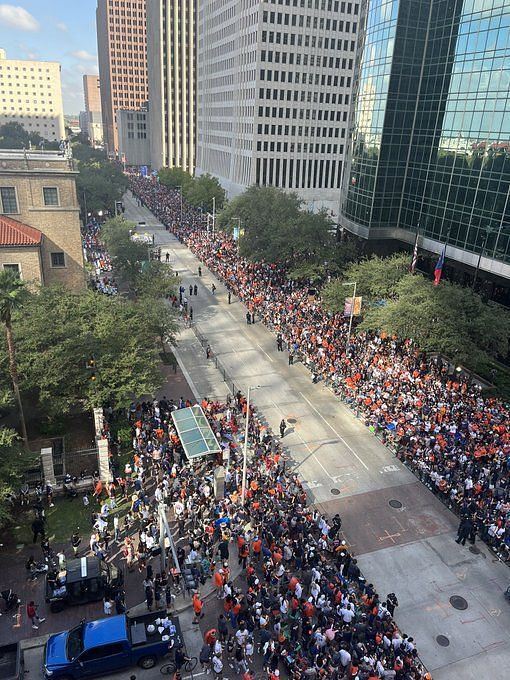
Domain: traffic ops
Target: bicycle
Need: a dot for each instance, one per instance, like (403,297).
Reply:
(188,666)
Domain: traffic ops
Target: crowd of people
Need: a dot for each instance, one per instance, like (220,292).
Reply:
(441,424)
(96,254)
(299,604)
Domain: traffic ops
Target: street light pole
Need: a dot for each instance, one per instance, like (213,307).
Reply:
(180,194)
(482,251)
(213,215)
(245,448)
(350,283)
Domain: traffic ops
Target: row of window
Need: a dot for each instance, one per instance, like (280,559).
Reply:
(293,95)
(329,5)
(292,147)
(292,114)
(315,60)
(309,22)
(24,68)
(298,173)
(57,259)
(9,199)
(304,78)
(301,40)
(292,130)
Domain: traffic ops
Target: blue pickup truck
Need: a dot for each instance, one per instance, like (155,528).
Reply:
(109,645)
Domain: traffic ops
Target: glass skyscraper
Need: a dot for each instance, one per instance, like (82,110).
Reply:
(430,147)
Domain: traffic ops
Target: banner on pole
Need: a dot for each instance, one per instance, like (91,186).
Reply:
(350,309)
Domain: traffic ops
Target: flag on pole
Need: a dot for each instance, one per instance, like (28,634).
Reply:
(439,267)
(414,261)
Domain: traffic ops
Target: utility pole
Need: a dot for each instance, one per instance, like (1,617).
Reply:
(351,283)
(245,448)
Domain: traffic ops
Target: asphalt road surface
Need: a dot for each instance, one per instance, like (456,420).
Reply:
(408,550)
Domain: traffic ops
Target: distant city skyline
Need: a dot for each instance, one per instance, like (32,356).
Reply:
(58,31)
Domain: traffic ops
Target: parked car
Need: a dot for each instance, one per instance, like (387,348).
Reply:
(88,579)
(110,644)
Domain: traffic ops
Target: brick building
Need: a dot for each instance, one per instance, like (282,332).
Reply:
(39,218)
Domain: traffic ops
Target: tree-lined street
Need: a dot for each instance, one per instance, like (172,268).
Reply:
(332,450)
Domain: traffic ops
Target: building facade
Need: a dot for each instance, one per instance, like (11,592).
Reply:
(274,82)
(38,196)
(31,95)
(122,54)
(430,150)
(134,137)
(20,250)
(171,50)
(93,120)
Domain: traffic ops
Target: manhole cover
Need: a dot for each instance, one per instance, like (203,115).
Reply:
(473,549)
(335,492)
(395,504)
(442,641)
(458,602)
(292,420)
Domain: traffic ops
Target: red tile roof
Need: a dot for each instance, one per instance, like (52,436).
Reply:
(14,233)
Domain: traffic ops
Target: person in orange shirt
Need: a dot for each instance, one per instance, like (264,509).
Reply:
(198,605)
(256,547)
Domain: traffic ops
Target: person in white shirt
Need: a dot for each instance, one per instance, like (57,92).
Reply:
(217,665)
(347,613)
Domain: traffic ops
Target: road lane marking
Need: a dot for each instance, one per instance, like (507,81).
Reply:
(263,350)
(333,430)
(311,451)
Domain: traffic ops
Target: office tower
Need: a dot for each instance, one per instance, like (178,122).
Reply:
(122,52)
(171,59)
(273,94)
(93,120)
(431,129)
(31,95)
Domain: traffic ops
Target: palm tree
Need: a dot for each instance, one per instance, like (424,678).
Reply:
(12,294)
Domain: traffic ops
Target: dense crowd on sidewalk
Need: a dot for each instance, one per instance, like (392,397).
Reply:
(455,438)
(97,256)
(300,605)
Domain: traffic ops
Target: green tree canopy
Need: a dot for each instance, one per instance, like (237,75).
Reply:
(14,136)
(202,190)
(86,153)
(155,281)
(447,318)
(276,228)
(95,350)
(376,278)
(127,255)
(14,461)
(99,183)
(174,178)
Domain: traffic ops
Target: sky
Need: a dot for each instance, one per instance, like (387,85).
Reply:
(54,30)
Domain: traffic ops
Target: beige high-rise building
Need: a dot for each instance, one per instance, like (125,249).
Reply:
(122,53)
(31,94)
(171,38)
(274,82)
(93,117)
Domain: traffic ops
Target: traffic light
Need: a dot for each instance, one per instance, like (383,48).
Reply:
(91,367)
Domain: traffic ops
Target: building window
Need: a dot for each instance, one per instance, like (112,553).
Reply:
(50,196)
(13,268)
(58,260)
(9,200)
